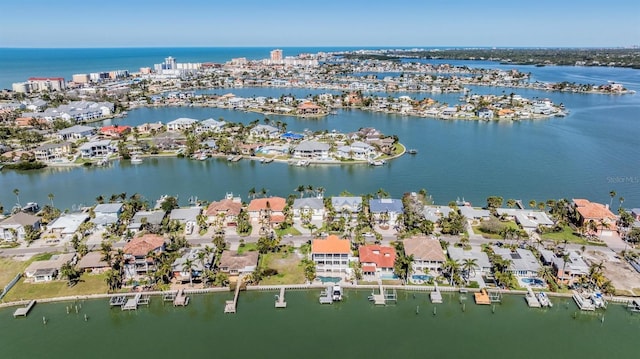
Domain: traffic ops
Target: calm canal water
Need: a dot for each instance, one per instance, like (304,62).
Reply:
(351,329)
(587,154)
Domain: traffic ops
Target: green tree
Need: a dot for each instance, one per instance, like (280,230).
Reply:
(69,272)
(612,194)
(169,204)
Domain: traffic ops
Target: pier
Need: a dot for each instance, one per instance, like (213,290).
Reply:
(132,303)
(180,299)
(230,305)
(436,296)
(326,297)
(117,301)
(531,299)
(482,297)
(22,312)
(384,296)
(280,302)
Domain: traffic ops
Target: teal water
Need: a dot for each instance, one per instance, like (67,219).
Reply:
(351,329)
(587,154)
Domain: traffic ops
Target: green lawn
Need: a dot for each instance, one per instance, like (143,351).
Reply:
(477,229)
(566,233)
(88,284)
(290,270)
(9,267)
(291,230)
(248,247)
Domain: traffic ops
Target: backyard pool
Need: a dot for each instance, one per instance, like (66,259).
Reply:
(329,279)
(534,282)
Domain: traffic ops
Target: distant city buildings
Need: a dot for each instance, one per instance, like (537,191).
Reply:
(171,68)
(39,84)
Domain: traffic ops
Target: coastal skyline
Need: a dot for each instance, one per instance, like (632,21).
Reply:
(78,24)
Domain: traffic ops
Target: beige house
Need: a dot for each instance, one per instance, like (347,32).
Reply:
(427,253)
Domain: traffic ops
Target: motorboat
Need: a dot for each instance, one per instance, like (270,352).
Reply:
(543,298)
(336,293)
(136,160)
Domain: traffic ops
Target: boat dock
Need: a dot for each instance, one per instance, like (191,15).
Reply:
(326,297)
(280,302)
(132,303)
(22,312)
(230,305)
(634,306)
(180,299)
(384,296)
(531,299)
(117,301)
(436,296)
(234,158)
(482,297)
(583,303)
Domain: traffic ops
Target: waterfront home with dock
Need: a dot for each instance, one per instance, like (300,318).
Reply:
(590,212)
(523,262)
(376,259)
(568,272)
(181,124)
(312,150)
(75,132)
(50,152)
(331,254)
(146,219)
(427,253)
(347,207)
(106,214)
(93,149)
(529,220)
(267,212)
(459,254)
(65,226)
(308,209)
(14,228)
(137,252)
(385,211)
(190,265)
(226,211)
(233,263)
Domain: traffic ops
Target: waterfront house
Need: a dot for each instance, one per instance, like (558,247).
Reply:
(635,212)
(475,213)
(264,131)
(357,151)
(92,263)
(348,207)
(312,150)
(386,210)
(151,220)
(528,219)
(590,212)
(308,108)
(75,133)
(138,254)
(115,131)
(106,214)
(14,228)
(47,270)
(225,211)
(459,254)
(308,209)
(95,149)
(523,262)
(210,125)
(485,113)
(376,259)
(427,253)
(268,212)
(568,272)
(234,264)
(65,226)
(181,124)
(52,151)
(434,213)
(185,215)
(148,128)
(331,254)
(184,274)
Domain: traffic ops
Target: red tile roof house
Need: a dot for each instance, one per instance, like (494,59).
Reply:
(268,212)
(600,214)
(331,254)
(376,259)
(137,254)
(115,131)
(226,210)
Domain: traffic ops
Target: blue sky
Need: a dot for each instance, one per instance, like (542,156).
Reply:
(275,23)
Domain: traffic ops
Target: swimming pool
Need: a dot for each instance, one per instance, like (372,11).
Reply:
(330,279)
(533,281)
(390,276)
(422,277)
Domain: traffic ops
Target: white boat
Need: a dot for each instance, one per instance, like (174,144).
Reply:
(376,163)
(598,300)
(336,293)
(136,160)
(544,300)
(201,157)
(302,163)
(582,302)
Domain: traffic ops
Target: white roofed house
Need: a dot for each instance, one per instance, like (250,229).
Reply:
(181,124)
(312,150)
(348,207)
(523,262)
(47,270)
(386,210)
(95,149)
(529,220)
(357,150)
(75,132)
(65,226)
(308,209)
(106,214)
(148,219)
(210,125)
(14,228)
(264,131)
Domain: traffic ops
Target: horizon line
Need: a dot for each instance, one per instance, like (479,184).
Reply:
(403,47)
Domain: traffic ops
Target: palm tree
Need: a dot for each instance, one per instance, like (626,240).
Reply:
(453,267)
(612,194)
(105,250)
(17,193)
(511,203)
(188,267)
(621,199)
(300,189)
(469,265)
(252,193)
(532,203)
(113,279)
(51,196)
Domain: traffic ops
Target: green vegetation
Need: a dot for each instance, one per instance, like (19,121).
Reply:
(566,233)
(9,268)
(289,230)
(86,284)
(247,247)
(281,268)
(25,165)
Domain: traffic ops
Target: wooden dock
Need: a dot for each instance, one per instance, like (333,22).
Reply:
(22,312)
(280,302)
(234,158)
(326,297)
(117,301)
(180,299)
(482,297)
(436,296)
(531,299)
(231,305)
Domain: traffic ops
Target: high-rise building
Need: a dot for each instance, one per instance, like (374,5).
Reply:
(276,56)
